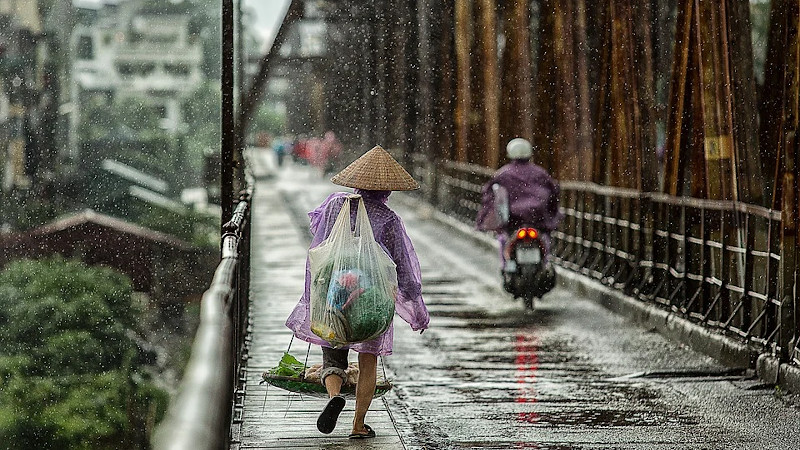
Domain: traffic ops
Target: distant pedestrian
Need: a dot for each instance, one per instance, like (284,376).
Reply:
(300,152)
(279,145)
(374,175)
(332,149)
(316,155)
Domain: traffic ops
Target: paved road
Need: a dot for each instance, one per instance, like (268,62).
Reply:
(488,374)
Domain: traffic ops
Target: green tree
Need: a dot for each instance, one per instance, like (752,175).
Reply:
(759,19)
(202,112)
(269,119)
(131,116)
(70,372)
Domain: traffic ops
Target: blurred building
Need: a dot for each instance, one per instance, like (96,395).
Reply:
(21,88)
(139,49)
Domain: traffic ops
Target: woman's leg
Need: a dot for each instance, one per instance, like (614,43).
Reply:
(333,383)
(365,390)
(334,364)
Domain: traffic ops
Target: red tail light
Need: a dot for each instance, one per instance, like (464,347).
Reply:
(527,233)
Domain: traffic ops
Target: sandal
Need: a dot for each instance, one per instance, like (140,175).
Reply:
(326,421)
(369,434)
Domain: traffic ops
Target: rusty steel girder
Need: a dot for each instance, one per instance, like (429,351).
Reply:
(625,141)
(710,131)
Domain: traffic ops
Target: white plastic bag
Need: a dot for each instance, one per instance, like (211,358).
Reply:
(498,215)
(353,282)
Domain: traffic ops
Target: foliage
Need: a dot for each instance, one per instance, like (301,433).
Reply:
(23,211)
(269,119)
(205,25)
(288,366)
(190,226)
(67,363)
(130,118)
(759,19)
(200,111)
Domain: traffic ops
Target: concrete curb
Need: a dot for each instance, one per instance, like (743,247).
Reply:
(771,370)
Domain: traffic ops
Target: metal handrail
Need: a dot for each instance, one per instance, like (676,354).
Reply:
(714,262)
(720,205)
(199,417)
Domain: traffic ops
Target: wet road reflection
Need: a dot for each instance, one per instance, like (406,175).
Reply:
(489,374)
(527,363)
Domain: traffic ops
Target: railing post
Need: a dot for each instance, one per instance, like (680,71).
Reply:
(773,275)
(434,166)
(748,263)
(644,252)
(228,130)
(787,293)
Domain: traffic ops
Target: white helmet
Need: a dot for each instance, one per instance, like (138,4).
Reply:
(519,148)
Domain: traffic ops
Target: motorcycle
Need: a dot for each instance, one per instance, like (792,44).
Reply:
(527,273)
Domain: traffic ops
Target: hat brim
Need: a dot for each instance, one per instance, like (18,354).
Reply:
(376,170)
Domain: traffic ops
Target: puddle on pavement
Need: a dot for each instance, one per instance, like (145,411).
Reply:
(507,445)
(480,320)
(602,418)
(441,281)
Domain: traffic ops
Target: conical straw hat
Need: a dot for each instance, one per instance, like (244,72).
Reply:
(376,170)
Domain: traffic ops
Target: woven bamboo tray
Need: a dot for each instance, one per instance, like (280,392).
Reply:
(315,389)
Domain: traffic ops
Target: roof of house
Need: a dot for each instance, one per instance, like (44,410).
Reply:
(103,220)
(100,239)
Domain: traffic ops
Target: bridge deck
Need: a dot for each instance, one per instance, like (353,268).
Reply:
(274,418)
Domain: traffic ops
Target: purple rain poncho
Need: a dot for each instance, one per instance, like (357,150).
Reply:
(532,197)
(391,235)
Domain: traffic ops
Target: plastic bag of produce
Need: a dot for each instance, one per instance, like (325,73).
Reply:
(353,281)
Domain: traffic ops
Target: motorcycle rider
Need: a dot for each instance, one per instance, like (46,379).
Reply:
(532,198)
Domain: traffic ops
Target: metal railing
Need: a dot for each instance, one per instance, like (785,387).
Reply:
(713,262)
(210,393)
(454,187)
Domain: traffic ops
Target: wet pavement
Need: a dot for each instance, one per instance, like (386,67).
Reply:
(489,374)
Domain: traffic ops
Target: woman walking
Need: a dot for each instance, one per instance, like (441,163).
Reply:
(373,176)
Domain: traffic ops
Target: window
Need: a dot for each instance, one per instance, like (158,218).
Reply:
(138,69)
(85,48)
(177,69)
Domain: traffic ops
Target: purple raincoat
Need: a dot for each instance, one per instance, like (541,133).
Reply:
(532,197)
(532,201)
(391,235)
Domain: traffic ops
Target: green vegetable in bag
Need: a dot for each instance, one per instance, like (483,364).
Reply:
(370,315)
(353,281)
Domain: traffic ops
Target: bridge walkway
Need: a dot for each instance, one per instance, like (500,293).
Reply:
(272,417)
